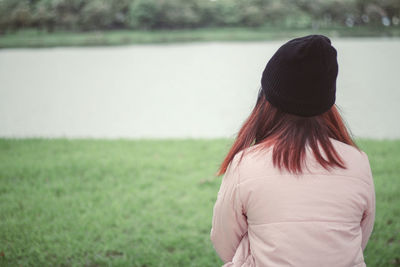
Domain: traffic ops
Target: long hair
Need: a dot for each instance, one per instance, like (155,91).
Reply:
(289,135)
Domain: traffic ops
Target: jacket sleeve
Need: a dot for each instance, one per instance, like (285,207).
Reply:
(229,223)
(367,222)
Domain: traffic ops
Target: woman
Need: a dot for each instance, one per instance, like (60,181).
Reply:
(297,191)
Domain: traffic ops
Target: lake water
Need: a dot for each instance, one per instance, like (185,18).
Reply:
(200,90)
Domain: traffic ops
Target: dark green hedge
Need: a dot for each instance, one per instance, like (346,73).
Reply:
(82,15)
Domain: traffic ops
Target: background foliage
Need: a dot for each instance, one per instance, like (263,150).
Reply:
(84,15)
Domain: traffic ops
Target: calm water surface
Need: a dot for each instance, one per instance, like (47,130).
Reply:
(184,90)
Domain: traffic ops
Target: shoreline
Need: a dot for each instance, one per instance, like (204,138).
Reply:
(32,38)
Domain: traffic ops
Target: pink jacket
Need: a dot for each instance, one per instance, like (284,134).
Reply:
(264,217)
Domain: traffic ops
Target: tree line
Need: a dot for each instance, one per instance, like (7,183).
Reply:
(86,15)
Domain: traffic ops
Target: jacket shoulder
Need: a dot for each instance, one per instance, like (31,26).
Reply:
(256,162)
(356,161)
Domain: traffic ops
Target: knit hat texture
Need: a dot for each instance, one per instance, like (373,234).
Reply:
(300,78)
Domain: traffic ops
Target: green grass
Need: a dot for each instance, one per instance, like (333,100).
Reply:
(34,38)
(140,203)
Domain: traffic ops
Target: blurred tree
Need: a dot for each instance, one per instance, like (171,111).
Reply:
(14,15)
(144,14)
(96,14)
(170,14)
(44,16)
(179,14)
(68,13)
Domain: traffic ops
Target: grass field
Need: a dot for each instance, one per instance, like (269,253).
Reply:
(34,38)
(140,203)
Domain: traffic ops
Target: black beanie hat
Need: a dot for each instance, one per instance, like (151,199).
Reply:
(300,78)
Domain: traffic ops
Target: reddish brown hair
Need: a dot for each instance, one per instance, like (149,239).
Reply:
(290,134)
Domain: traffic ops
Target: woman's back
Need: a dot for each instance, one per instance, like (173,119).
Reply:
(297,191)
(309,220)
